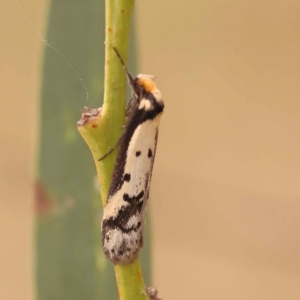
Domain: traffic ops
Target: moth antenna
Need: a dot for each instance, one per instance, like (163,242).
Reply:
(129,77)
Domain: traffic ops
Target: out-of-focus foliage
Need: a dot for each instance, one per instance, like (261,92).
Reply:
(70,263)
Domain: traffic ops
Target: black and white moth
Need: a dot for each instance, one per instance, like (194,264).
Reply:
(124,214)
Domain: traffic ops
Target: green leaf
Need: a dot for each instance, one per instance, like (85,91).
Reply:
(69,260)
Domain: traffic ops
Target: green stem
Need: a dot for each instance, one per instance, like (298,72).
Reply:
(104,128)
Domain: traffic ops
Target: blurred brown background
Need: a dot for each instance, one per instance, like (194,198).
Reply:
(225,190)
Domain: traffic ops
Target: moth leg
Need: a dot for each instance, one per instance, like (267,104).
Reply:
(111,150)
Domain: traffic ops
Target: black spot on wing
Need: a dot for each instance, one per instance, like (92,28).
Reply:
(126,197)
(127,177)
(134,198)
(150,154)
(137,153)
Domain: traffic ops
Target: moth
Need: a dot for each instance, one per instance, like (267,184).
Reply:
(124,214)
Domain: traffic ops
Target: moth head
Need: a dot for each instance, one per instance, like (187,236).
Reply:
(146,82)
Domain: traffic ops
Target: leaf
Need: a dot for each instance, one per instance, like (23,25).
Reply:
(70,263)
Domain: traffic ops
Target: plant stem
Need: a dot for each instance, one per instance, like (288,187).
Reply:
(104,127)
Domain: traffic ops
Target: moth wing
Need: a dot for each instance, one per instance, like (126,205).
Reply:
(124,214)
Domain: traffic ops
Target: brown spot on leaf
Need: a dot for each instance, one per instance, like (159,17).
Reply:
(41,198)
(94,125)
